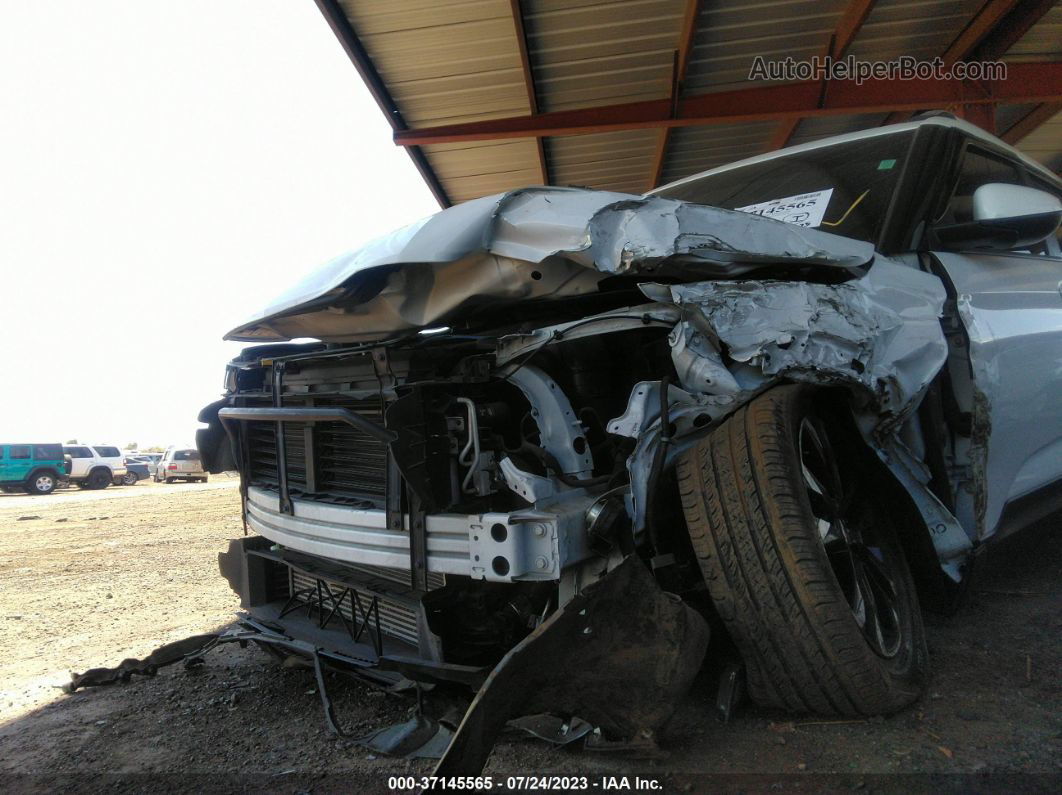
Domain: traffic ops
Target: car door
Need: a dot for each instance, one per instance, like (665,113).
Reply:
(1010,304)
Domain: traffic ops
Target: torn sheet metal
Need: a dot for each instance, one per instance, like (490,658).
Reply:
(167,654)
(620,655)
(532,243)
(881,332)
(420,737)
(878,335)
(552,728)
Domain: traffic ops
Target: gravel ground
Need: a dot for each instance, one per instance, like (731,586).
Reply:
(94,577)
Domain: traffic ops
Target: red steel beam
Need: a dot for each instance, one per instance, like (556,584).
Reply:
(984,21)
(529,80)
(1010,29)
(852,19)
(682,63)
(990,34)
(1026,82)
(1031,121)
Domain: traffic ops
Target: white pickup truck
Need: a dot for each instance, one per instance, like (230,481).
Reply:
(94,466)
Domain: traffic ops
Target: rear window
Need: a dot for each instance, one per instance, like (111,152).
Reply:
(47,452)
(186,455)
(78,452)
(109,452)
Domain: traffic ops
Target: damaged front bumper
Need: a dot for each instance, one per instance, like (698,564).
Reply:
(620,634)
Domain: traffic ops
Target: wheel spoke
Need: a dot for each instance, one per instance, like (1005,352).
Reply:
(883,621)
(862,572)
(871,619)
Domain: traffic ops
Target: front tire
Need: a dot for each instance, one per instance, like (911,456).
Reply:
(803,566)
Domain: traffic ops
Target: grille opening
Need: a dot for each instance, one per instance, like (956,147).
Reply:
(347,462)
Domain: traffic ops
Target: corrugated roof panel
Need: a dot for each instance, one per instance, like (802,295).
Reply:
(1045,143)
(587,53)
(730,36)
(823,127)
(1043,42)
(471,170)
(444,61)
(620,161)
(452,61)
(387,16)
(695,149)
(1009,115)
(922,29)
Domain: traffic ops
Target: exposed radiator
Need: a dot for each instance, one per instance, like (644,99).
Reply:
(347,462)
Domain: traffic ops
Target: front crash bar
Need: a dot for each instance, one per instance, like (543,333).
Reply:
(305,414)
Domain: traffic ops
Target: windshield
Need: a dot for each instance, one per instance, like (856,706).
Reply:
(842,188)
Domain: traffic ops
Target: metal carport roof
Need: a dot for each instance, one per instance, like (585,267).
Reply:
(625,95)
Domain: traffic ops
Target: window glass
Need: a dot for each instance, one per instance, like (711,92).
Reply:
(1047,187)
(186,455)
(78,452)
(978,168)
(18,451)
(844,188)
(47,452)
(108,452)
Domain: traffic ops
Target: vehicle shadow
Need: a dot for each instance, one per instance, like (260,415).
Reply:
(243,721)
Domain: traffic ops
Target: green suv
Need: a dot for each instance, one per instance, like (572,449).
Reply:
(34,468)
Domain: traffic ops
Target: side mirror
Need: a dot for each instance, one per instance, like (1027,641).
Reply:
(1005,217)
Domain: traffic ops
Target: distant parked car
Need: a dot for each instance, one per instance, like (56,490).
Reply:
(152,461)
(180,463)
(94,466)
(136,469)
(33,468)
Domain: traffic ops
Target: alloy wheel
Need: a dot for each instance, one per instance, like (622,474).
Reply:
(859,562)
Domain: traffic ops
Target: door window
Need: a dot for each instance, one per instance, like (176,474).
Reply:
(19,451)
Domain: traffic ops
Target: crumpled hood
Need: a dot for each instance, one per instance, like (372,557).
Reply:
(488,249)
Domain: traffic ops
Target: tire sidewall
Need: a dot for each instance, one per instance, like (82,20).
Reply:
(906,671)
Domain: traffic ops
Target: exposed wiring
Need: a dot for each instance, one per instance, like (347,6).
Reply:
(847,212)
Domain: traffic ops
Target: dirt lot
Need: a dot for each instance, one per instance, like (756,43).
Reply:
(91,578)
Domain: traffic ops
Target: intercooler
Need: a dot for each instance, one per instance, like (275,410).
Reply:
(397,619)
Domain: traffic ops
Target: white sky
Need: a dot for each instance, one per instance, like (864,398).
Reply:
(165,170)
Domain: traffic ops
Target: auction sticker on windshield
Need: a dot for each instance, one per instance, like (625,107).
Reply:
(805,209)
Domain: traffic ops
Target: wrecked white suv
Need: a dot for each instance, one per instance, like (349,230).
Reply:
(555,435)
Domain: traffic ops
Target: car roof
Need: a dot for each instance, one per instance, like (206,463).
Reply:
(939,121)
